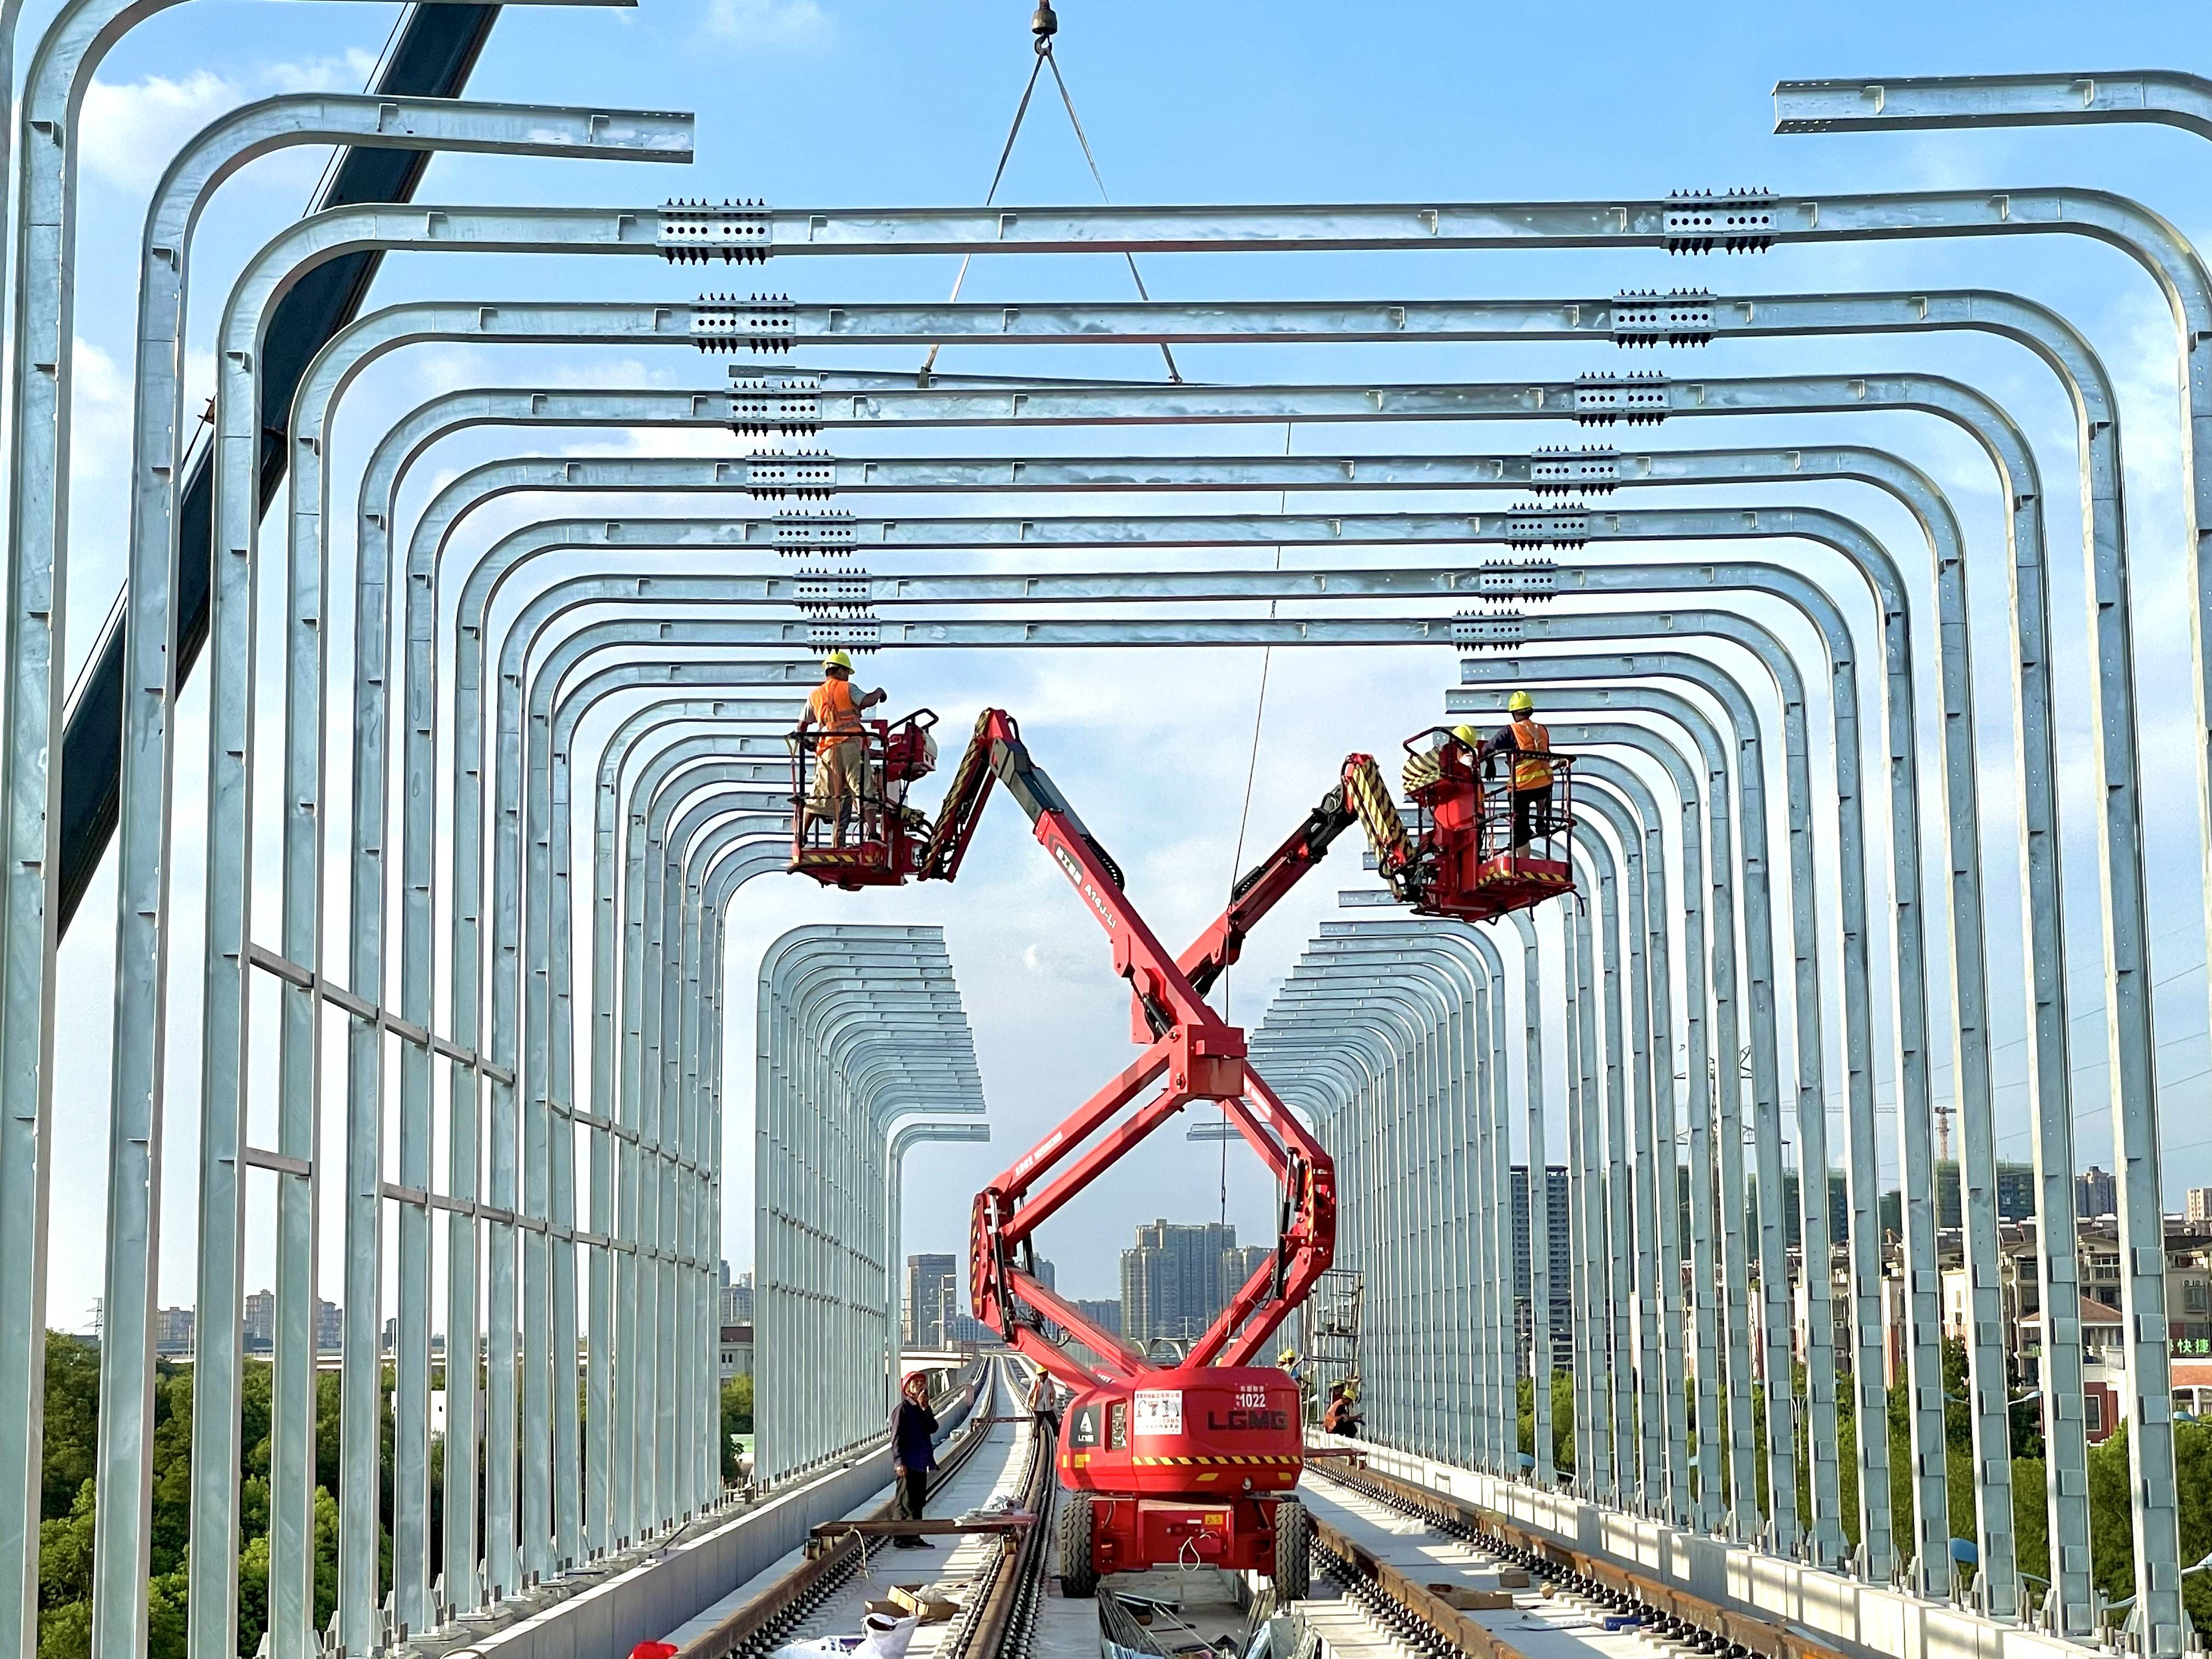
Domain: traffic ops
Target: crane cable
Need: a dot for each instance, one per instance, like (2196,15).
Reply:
(1044,24)
(1244,817)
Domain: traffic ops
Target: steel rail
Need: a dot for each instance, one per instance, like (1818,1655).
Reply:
(152,667)
(1470,990)
(1932,102)
(550,914)
(1534,1090)
(431,51)
(1607,1211)
(1804,910)
(1463,1015)
(921,589)
(1683,716)
(906,1136)
(652,1098)
(1932,514)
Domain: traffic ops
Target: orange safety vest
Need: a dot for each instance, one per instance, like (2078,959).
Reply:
(831,705)
(1532,764)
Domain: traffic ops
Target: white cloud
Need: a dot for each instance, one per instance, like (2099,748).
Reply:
(1054,961)
(132,129)
(769,22)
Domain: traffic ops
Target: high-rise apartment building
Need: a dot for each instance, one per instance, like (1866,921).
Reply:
(932,1286)
(736,1299)
(1105,1314)
(2096,1192)
(1177,1278)
(1557,1260)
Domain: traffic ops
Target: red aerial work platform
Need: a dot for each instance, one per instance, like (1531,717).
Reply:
(1198,1462)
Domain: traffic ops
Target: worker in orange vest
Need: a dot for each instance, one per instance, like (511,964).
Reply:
(1530,745)
(841,754)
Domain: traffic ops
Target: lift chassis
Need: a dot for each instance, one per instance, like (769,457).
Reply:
(1197,1462)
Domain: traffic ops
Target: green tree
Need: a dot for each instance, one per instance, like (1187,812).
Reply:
(72,1421)
(2031,1520)
(737,1418)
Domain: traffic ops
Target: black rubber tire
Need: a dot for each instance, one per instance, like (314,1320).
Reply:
(1078,1573)
(1293,1539)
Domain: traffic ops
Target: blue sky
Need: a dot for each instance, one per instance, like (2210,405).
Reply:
(835,103)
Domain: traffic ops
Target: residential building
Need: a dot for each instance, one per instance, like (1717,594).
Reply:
(736,1298)
(330,1327)
(2196,1204)
(1172,1281)
(172,1332)
(1237,1267)
(2096,1192)
(1559,1261)
(1105,1314)
(2015,1199)
(261,1322)
(737,1351)
(930,1280)
(2189,1288)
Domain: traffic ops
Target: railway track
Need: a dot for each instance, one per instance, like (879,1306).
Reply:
(995,1577)
(1388,1558)
(1573,1599)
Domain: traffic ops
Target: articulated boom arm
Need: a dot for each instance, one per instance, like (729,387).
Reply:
(1190,1053)
(1262,885)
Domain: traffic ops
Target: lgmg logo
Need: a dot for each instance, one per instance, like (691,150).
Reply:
(1084,886)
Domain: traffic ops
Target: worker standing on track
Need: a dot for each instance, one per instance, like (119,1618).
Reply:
(914,1454)
(841,756)
(1044,1404)
(1530,745)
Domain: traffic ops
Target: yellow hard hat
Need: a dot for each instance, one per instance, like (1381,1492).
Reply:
(1288,1356)
(1520,703)
(838,659)
(1467,735)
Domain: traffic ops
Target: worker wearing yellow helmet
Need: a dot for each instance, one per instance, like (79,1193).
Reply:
(841,754)
(1530,745)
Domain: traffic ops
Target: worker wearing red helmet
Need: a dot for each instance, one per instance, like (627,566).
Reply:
(841,754)
(1530,745)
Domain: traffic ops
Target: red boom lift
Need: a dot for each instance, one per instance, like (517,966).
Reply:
(1197,1462)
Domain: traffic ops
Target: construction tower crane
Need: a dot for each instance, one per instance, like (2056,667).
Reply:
(1198,1460)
